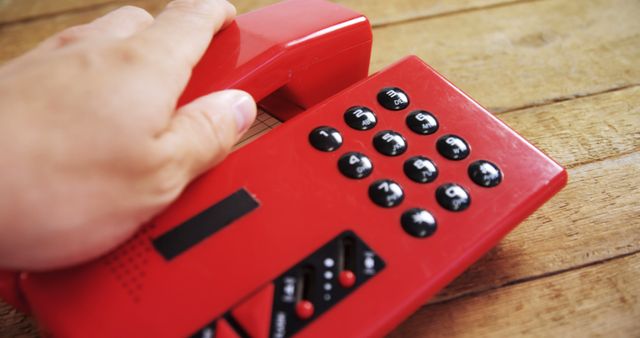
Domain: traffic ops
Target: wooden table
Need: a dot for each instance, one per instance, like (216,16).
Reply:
(566,75)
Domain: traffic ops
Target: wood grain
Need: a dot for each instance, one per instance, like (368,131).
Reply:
(597,301)
(379,12)
(525,54)
(596,217)
(16,10)
(506,57)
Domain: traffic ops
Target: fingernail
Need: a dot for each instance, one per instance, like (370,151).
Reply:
(245,110)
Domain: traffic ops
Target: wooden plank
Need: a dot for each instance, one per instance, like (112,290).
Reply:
(583,130)
(598,301)
(16,10)
(525,54)
(506,57)
(379,12)
(596,217)
(15,324)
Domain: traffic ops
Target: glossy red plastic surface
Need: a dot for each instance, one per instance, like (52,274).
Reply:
(304,202)
(297,52)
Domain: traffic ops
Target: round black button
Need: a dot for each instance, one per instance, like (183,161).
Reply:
(453,197)
(422,122)
(453,147)
(485,173)
(418,223)
(355,165)
(420,169)
(325,138)
(360,118)
(390,143)
(393,98)
(386,193)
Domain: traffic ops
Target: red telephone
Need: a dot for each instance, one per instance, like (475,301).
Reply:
(341,222)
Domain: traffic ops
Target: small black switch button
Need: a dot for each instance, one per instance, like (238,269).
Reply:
(420,169)
(386,193)
(355,165)
(453,197)
(360,118)
(485,173)
(325,138)
(418,223)
(393,98)
(453,147)
(390,143)
(422,122)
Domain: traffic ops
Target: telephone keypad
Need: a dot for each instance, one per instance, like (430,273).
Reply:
(386,193)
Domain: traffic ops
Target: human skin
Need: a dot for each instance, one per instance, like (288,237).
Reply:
(92,143)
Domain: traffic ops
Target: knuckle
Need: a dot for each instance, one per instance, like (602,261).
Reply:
(70,34)
(160,167)
(128,54)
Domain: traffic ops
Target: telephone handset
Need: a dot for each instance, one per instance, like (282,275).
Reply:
(286,56)
(340,222)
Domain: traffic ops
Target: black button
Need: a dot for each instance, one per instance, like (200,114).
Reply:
(386,193)
(355,165)
(453,147)
(393,98)
(420,169)
(360,118)
(325,138)
(485,173)
(422,122)
(418,223)
(453,197)
(390,143)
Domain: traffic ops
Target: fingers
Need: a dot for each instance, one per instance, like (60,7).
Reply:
(119,24)
(182,32)
(203,132)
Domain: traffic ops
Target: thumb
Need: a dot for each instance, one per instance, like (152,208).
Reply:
(204,131)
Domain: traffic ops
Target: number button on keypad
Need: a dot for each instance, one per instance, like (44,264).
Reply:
(393,98)
(325,138)
(355,165)
(422,122)
(453,197)
(360,118)
(420,169)
(390,143)
(485,173)
(453,147)
(418,223)
(386,193)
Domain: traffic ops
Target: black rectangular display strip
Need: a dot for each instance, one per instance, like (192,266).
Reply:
(184,236)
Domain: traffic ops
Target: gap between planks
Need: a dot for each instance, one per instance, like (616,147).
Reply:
(380,23)
(528,279)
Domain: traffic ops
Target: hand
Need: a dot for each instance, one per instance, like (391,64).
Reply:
(92,144)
